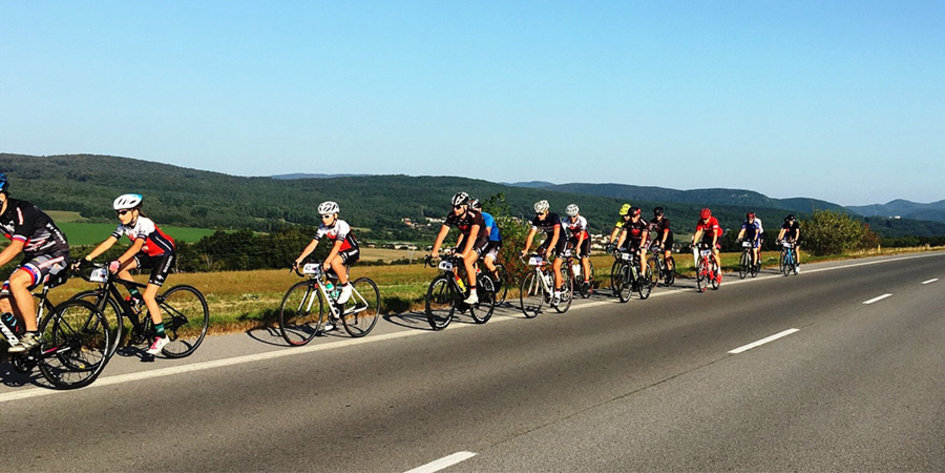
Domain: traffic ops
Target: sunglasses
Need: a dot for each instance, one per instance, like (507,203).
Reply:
(326,216)
(457,207)
(122,213)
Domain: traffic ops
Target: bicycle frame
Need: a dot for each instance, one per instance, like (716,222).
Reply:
(540,264)
(317,278)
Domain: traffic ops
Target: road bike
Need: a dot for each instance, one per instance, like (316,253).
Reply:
(538,288)
(184,312)
(74,340)
(628,278)
(575,271)
(787,261)
(707,270)
(309,305)
(500,283)
(658,265)
(447,293)
(745,267)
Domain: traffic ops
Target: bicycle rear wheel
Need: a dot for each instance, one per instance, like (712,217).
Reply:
(360,312)
(110,310)
(567,291)
(481,312)
(531,295)
(501,285)
(74,344)
(440,303)
(186,320)
(302,313)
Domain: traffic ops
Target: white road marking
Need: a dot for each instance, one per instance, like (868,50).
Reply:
(763,341)
(930,281)
(443,463)
(877,299)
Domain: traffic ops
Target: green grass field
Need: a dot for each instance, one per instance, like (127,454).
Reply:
(83,233)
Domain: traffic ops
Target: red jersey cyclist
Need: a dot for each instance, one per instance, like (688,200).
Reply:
(344,249)
(550,224)
(635,234)
(474,239)
(709,233)
(580,240)
(150,248)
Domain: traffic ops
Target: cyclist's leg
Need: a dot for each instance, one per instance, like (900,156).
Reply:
(586,259)
(19,284)
(160,267)
(469,262)
(338,266)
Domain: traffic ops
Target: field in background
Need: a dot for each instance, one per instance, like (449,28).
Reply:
(84,233)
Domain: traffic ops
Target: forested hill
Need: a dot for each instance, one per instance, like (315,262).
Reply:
(189,197)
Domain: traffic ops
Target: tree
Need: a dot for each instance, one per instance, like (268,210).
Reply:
(828,232)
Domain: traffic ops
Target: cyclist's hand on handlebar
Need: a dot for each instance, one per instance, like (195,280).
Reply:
(77,266)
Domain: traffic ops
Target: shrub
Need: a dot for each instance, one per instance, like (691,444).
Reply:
(828,232)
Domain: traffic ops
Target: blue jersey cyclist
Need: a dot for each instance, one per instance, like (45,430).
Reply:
(579,239)
(751,232)
(491,252)
(550,224)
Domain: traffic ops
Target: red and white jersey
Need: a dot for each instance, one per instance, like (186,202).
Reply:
(339,231)
(709,228)
(576,227)
(156,242)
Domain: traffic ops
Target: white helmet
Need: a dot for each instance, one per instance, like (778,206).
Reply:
(461,198)
(328,208)
(127,201)
(572,210)
(541,206)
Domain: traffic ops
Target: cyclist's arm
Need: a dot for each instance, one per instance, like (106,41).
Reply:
(334,250)
(580,241)
(613,234)
(622,239)
(528,240)
(101,248)
(307,251)
(644,238)
(665,236)
(471,239)
(459,239)
(14,248)
(444,229)
(715,237)
(781,234)
(131,251)
(696,237)
(553,242)
(741,234)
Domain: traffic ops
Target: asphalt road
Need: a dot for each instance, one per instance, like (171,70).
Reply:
(643,386)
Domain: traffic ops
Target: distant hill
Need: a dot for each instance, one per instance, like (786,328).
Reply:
(934,211)
(311,176)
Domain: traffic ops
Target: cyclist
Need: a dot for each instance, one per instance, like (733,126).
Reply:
(662,235)
(473,242)
(491,252)
(45,255)
(580,240)
(550,224)
(622,219)
(709,232)
(791,232)
(150,248)
(635,234)
(751,230)
(344,251)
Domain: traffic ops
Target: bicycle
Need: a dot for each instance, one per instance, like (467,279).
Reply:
(576,272)
(661,268)
(707,270)
(787,262)
(745,266)
(74,341)
(447,292)
(185,313)
(500,284)
(538,288)
(298,321)
(628,277)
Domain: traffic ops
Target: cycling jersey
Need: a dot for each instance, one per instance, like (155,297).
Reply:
(547,225)
(761,228)
(657,228)
(635,231)
(156,242)
(339,231)
(492,226)
(25,222)
(793,230)
(578,228)
(752,230)
(709,228)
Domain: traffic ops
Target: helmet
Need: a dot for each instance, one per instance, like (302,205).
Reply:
(706,213)
(541,206)
(4,183)
(328,207)
(460,198)
(624,209)
(750,215)
(658,211)
(127,201)
(572,210)
(476,204)
(635,211)
(789,218)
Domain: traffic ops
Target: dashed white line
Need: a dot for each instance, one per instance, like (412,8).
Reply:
(877,299)
(763,341)
(442,463)
(930,281)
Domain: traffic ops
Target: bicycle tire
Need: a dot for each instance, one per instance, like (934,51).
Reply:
(567,291)
(186,320)
(298,321)
(646,284)
(626,283)
(481,311)
(743,262)
(531,295)
(616,282)
(786,263)
(74,344)
(653,270)
(670,277)
(755,267)
(781,257)
(501,285)
(701,275)
(440,303)
(360,323)
(112,312)
(716,279)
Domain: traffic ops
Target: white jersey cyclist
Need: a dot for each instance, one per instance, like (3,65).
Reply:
(349,250)
(156,242)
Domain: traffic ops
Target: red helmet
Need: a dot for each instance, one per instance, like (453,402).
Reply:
(706,213)
(750,215)
(635,211)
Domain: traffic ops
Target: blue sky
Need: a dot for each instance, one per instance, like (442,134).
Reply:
(838,100)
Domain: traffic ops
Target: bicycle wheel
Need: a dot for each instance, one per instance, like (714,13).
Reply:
(653,270)
(186,319)
(670,276)
(616,280)
(361,311)
(481,312)
(112,313)
(567,290)
(302,313)
(781,261)
(501,284)
(440,303)
(578,275)
(74,344)
(786,263)
(716,277)
(755,267)
(646,283)
(702,274)
(743,263)
(531,295)
(626,283)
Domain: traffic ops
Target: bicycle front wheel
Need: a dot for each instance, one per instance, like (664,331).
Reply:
(786,263)
(531,295)
(74,344)
(501,284)
(743,265)
(781,259)
(626,283)
(440,303)
(186,320)
(481,312)
(567,290)
(616,278)
(361,311)
(110,310)
(646,284)
(302,313)
(702,275)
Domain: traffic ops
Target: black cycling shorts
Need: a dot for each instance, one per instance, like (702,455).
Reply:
(585,249)
(558,249)
(159,265)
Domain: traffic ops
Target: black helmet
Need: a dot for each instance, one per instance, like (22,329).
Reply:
(4,183)
(658,211)
(789,218)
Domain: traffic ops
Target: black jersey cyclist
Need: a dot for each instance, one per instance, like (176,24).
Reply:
(474,238)
(751,232)
(45,255)
(579,239)
(550,224)
(623,216)
(634,236)
(662,235)
(791,232)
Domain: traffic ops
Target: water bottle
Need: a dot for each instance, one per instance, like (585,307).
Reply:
(330,289)
(10,321)
(459,282)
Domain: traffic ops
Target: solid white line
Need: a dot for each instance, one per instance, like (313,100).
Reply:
(443,463)
(763,341)
(930,281)
(877,299)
